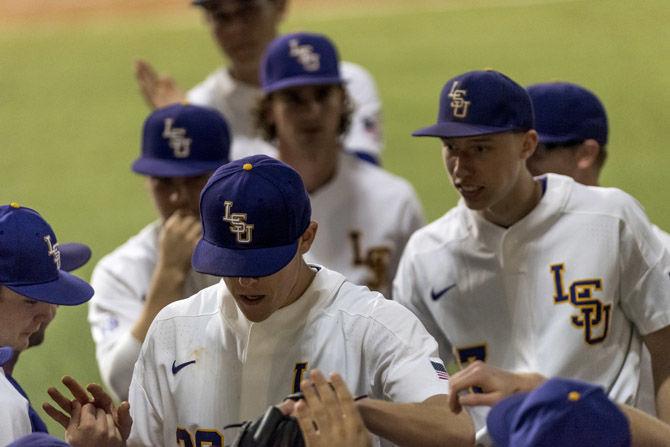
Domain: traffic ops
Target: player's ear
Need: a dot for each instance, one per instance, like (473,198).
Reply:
(307,237)
(530,140)
(587,154)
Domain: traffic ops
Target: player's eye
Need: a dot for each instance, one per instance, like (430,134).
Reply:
(30,302)
(323,93)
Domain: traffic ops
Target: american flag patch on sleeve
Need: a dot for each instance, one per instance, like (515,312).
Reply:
(439,368)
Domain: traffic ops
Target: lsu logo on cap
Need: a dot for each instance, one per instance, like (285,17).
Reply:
(305,54)
(53,250)
(238,224)
(458,103)
(180,145)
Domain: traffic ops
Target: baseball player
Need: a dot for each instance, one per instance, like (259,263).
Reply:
(242,29)
(226,353)
(181,146)
(72,256)
(365,213)
(572,127)
(526,274)
(32,284)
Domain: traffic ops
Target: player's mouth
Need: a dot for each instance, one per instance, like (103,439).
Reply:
(469,192)
(251,300)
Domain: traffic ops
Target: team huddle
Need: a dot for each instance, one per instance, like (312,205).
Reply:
(286,260)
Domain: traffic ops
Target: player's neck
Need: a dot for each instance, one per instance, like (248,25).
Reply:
(518,204)
(246,73)
(316,167)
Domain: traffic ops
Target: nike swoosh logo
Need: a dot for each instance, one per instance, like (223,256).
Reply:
(176,368)
(437,295)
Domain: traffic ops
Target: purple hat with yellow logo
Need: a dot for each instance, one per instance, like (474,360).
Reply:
(253,212)
(559,413)
(480,103)
(30,260)
(567,113)
(299,59)
(183,140)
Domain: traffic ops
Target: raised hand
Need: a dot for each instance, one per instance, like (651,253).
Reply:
(158,90)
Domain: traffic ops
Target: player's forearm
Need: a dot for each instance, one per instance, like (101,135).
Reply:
(429,423)
(646,431)
(167,285)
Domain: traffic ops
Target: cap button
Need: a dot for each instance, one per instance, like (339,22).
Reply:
(574,396)
(247,166)
(15,205)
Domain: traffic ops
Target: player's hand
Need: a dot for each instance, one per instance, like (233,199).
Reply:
(91,426)
(495,383)
(157,90)
(95,396)
(328,415)
(177,240)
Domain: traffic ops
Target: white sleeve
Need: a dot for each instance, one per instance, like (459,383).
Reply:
(147,429)
(113,310)
(404,356)
(365,133)
(645,272)
(406,291)
(14,420)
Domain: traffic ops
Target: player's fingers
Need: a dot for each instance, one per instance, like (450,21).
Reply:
(60,399)
(123,420)
(76,416)
(454,404)
(306,423)
(76,389)
(341,390)
(477,399)
(100,397)
(56,415)
(326,393)
(195,231)
(112,431)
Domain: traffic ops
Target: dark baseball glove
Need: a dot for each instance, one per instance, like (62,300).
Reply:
(272,429)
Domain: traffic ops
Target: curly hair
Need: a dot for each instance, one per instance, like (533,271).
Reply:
(269,131)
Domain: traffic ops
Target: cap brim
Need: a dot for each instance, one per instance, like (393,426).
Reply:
(500,419)
(300,81)
(545,138)
(73,255)
(256,262)
(171,168)
(67,290)
(455,130)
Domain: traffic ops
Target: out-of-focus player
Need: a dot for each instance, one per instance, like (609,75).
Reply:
(226,353)
(181,146)
(527,274)
(572,127)
(365,214)
(242,29)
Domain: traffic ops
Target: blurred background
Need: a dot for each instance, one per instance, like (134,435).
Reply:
(71,114)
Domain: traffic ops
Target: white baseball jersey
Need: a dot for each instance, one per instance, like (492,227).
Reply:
(366,216)
(203,365)
(236,101)
(567,291)
(14,419)
(121,281)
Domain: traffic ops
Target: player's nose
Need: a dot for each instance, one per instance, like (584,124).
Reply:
(45,311)
(248,281)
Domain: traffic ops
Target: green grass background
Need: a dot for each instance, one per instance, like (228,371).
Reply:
(70,114)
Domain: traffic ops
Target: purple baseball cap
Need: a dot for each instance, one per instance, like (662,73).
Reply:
(183,140)
(559,413)
(38,440)
(73,255)
(253,212)
(30,260)
(480,103)
(300,59)
(567,113)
